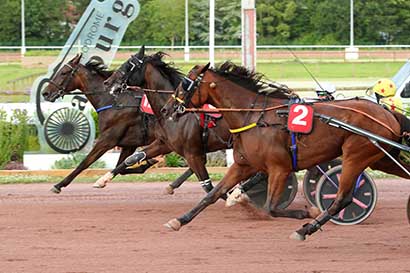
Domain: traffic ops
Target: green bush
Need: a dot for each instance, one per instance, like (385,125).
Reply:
(174,160)
(13,136)
(73,160)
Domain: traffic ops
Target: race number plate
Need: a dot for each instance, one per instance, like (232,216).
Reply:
(300,118)
(145,106)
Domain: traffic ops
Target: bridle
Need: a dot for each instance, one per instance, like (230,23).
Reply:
(188,87)
(136,63)
(62,89)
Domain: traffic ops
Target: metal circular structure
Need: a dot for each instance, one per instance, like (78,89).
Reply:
(312,177)
(257,193)
(67,130)
(364,197)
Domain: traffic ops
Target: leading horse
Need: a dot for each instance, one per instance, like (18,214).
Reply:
(263,143)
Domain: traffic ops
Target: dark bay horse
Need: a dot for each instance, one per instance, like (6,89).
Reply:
(128,134)
(263,142)
(183,137)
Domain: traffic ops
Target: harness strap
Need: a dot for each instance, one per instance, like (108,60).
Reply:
(218,110)
(242,129)
(294,150)
(104,108)
(366,115)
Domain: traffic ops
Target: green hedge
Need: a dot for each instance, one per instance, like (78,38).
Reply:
(14,132)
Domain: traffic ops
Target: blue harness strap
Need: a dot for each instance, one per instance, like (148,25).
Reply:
(104,108)
(294,149)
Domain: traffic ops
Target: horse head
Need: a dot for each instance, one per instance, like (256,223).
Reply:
(64,81)
(190,92)
(130,73)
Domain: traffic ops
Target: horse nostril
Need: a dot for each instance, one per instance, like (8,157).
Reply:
(45,94)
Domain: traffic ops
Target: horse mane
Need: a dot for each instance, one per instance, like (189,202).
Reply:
(97,65)
(166,69)
(251,80)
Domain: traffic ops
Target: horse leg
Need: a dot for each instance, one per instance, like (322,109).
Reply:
(125,152)
(102,145)
(179,181)
(154,149)
(351,169)
(197,164)
(276,185)
(145,165)
(235,174)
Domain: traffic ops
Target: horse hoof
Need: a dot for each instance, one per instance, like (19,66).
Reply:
(237,196)
(173,224)
(314,212)
(55,190)
(97,185)
(298,237)
(102,181)
(169,190)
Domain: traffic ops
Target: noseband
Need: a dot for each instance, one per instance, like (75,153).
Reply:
(63,87)
(136,63)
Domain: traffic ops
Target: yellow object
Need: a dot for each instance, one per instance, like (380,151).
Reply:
(393,104)
(177,99)
(385,88)
(242,129)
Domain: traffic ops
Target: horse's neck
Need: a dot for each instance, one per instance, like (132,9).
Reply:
(95,84)
(157,81)
(229,95)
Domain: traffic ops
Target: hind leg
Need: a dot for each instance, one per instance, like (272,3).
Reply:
(351,168)
(276,186)
(154,149)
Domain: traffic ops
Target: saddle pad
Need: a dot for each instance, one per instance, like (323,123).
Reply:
(214,115)
(300,119)
(145,106)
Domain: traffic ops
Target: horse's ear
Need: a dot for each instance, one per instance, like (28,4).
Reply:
(141,53)
(77,58)
(205,68)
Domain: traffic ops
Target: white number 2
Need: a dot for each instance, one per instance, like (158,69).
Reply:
(302,112)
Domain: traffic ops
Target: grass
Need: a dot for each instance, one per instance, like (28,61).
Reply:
(22,179)
(289,71)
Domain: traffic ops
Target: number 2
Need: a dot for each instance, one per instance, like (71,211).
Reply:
(298,120)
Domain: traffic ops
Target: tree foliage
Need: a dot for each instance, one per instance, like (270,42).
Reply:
(162,22)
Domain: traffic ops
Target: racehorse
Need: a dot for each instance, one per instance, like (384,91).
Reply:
(183,137)
(263,143)
(133,130)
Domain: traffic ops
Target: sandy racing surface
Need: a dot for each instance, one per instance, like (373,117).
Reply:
(120,229)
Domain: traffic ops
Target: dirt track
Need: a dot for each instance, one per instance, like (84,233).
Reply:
(119,229)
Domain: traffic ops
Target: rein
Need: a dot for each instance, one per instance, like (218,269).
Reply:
(366,115)
(137,88)
(219,110)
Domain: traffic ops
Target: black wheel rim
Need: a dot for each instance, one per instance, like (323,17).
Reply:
(313,176)
(67,130)
(364,198)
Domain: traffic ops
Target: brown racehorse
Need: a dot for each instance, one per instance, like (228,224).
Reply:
(183,137)
(263,142)
(128,134)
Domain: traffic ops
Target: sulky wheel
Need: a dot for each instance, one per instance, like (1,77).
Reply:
(364,197)
(408,209)
(258,192)
(67,130)
(312,177)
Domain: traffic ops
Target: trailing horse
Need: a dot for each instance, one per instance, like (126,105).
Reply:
(134,129)
(263,143)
